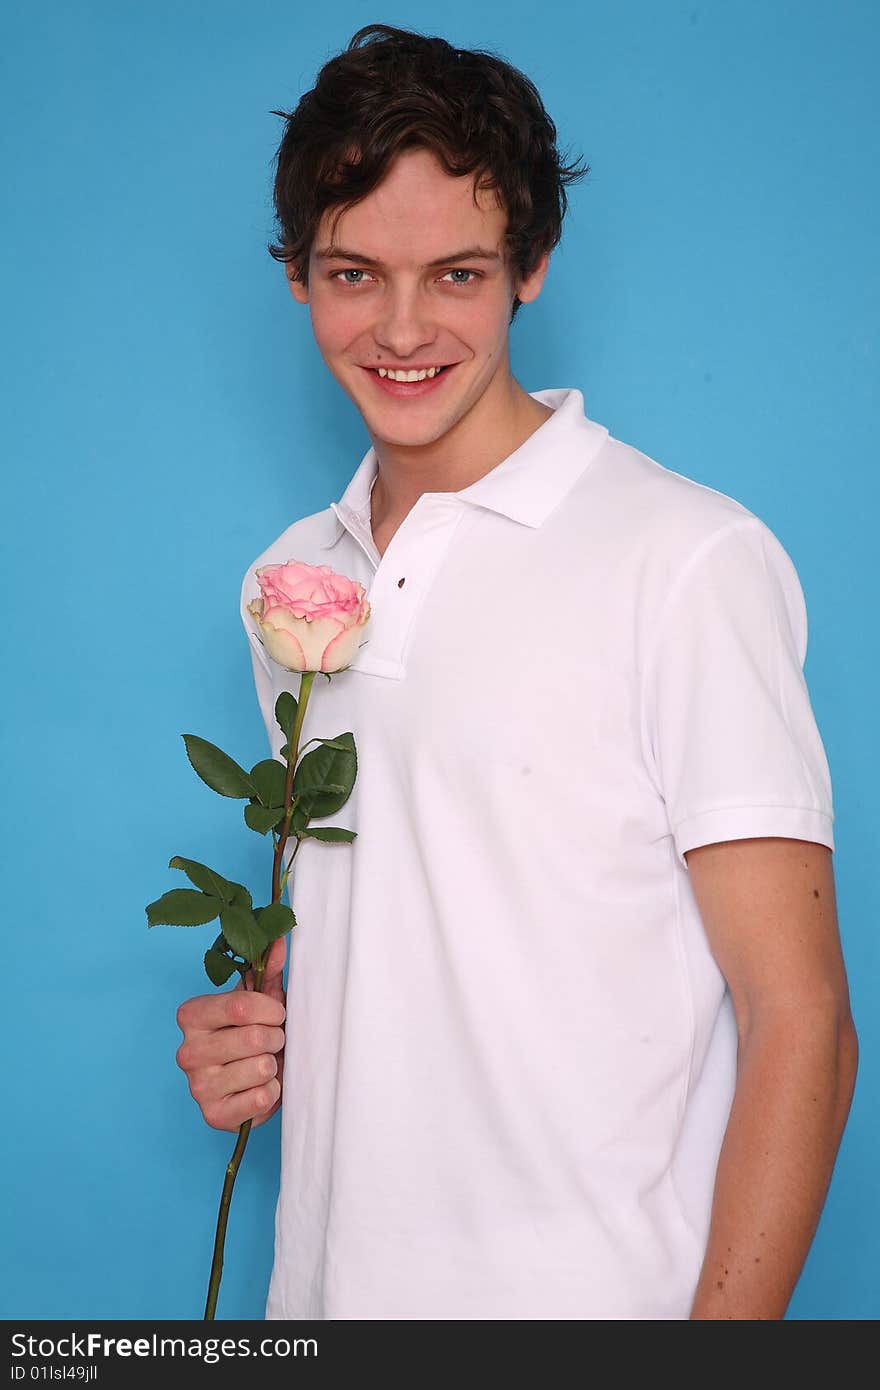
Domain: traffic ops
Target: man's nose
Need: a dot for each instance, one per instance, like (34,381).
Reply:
(404,324)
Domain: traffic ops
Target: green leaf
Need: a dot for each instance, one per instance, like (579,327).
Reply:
(328,832)
(275,920)
(221,773)
(241,897)
(261,819)
(204,878)
(269,778)
(243,932)
(333,764)
(285,712)
(218,966)
(183,907)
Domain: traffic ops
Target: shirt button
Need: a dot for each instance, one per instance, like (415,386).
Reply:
(401,582)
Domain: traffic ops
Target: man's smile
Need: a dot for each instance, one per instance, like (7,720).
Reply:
(419,387)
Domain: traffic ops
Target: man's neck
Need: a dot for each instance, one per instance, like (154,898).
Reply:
(459,458)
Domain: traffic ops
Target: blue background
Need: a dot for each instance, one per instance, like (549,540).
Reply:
(167,414)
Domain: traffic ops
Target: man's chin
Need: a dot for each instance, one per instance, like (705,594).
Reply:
(382,434)
(399,425)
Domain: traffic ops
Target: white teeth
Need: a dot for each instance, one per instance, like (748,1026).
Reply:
(409,376)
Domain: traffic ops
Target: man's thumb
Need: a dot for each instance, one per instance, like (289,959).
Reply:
(276,958)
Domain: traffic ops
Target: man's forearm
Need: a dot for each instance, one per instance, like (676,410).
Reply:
(795,1079)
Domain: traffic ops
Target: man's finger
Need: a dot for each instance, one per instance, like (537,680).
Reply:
(208,1012)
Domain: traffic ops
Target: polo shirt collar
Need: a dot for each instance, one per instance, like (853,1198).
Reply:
(526,486)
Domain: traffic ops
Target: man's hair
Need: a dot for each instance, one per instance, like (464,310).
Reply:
(394,89)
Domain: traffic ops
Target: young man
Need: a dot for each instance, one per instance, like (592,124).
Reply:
(568,1025)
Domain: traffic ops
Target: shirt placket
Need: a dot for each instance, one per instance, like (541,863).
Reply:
(403,576)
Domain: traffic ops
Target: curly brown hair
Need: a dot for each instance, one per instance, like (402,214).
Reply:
(394,89)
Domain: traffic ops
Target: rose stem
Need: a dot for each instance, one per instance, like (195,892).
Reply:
(305,687)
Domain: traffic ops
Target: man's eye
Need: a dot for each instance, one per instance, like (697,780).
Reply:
(349,270)
(459,270)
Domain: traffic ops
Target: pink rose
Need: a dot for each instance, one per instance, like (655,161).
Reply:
(309,617)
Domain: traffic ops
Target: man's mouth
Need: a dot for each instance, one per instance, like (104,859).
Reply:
(414,383)
(411,373)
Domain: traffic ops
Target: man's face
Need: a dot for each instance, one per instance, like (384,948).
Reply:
(404,311)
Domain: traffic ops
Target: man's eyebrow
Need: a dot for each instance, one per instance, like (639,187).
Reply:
(471,253)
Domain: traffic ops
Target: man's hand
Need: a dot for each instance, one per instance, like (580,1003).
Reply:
(233,1048)
(768,907)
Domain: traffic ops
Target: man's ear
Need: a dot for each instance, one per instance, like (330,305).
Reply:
(529,288)
(299,291)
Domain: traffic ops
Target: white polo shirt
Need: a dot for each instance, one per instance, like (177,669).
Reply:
(510,1054)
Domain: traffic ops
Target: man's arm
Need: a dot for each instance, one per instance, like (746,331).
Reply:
(769,909)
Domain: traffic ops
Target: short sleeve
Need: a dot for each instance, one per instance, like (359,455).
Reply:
(729,730)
